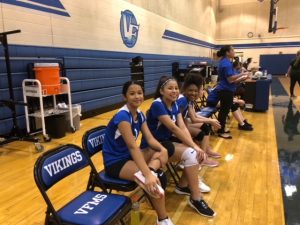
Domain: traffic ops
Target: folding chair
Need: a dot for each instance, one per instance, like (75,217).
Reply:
(88,208)
(92,143)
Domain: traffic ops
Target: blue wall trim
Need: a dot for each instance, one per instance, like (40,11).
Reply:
(268,45)
(171,35)
(37,7)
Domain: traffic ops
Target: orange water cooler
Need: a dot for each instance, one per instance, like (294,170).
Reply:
(49,76)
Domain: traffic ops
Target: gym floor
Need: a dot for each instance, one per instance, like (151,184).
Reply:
(246,187)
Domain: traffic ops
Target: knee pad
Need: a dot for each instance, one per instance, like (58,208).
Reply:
(162,177)
(169,146)
(234,107)
(200,136)
(206,128)
(189,158)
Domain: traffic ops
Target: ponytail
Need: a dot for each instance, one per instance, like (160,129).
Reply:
(222,52)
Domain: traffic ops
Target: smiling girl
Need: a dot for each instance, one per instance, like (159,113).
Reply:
(166,125)
(122,156)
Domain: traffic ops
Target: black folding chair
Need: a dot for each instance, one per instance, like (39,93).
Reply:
(88,208)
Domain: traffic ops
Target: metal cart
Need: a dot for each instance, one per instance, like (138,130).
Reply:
(33,88)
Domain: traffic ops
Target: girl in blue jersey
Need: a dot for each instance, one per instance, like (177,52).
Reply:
(166,124)
(198,126)
(121,154)
(226,86)
(213,100)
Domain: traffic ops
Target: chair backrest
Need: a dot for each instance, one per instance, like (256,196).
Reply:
(92,140)
(58,163)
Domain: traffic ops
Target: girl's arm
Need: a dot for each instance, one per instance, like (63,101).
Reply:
(152,142)
(200,119)
(136,154)
(235,78)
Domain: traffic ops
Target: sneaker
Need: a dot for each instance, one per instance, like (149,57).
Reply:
(182,190)
(245,127)
(202,208)
(164,222)
(246,122)
(180,166)
(209,163)
(203,187)
(212,154)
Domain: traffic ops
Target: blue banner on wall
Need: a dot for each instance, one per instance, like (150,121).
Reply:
(49,6)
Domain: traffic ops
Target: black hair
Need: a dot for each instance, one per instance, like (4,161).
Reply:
(249,60)
(161,83)
(297,61)
(235,64)
(192,78)
(127,84)
(222,52)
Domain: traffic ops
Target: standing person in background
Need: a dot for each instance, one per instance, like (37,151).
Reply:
(226,86)
(294,73)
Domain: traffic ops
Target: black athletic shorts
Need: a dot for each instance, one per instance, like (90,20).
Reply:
(115,169)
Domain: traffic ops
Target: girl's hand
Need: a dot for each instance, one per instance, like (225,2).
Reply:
(151,182)
(201,155)
(215,123)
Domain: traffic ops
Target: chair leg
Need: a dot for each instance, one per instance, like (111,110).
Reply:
(89,183)
(175,171)
(172,172)
(122,222)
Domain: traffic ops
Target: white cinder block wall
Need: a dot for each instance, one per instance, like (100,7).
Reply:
(235,20)
(95,24)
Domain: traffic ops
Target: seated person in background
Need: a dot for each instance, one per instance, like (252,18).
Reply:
(240,87)
(198,126)
(247,63)
(122,156)
(213,101)
(166,125)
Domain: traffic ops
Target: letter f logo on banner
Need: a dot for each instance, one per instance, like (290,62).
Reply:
(129,28)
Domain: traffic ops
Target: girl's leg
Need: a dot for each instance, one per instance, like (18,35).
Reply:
(226,99)
(202,136)
(130,168)
(189,181)
(194,130)
(238,116)
(189,177)
(292,84)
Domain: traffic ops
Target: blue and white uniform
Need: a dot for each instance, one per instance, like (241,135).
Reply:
(213,97)
(114,147)
(183,104)
(226,70)
(158,130)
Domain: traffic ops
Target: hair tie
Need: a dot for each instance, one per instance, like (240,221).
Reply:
(164,83)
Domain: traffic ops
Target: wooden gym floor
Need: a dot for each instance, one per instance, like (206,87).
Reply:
(246,186)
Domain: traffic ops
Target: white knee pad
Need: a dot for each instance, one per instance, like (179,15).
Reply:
(189,158)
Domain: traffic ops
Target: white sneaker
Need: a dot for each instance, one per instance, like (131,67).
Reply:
(203,187)
(181,166)
(164,222)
